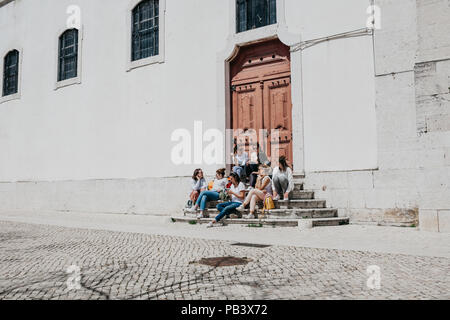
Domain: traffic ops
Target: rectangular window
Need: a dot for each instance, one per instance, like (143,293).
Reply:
(252,14)
(11,73)
(145,30)
(68,55)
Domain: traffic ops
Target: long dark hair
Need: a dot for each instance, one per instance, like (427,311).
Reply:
(283,163)
(236,177)
(194,176)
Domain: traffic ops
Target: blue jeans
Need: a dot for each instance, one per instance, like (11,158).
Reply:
(226,208)
(239,170)
(206,196)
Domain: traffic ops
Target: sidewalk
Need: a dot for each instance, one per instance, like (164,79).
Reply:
(407,241)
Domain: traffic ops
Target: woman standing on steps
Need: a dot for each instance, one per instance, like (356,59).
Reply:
(220,183)
(282,180)
(237,193)
(262,189)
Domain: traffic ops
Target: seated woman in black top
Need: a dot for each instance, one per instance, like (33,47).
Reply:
(257,157)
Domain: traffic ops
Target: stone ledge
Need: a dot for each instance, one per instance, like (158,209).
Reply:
(435,220)
(5,2)
(321,222)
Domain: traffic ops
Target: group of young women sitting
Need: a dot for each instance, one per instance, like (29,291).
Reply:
(247,167)
(268,183)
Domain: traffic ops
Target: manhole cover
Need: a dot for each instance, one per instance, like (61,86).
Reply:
(224,261)
(251,245)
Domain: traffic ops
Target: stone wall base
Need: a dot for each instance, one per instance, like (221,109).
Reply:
(156,196)
(403,197)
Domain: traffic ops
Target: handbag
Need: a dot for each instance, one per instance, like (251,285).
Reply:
(224,196)
(268,204)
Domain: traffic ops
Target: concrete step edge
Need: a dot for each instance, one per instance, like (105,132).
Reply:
(306,210)
(260,220)
(316,222)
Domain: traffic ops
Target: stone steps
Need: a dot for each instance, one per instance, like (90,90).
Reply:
(298,194)
(302,195)
(299,204)
(316,213)
(301,209)
(287,204)
(285,213)
(316,222)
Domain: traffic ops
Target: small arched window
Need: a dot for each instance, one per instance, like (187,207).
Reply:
(145,30)
(11,73)
(68,55)
(252,14)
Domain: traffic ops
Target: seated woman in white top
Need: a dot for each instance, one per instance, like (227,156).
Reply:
(198,185)
(237,193)
(220,184)
(241,161)
(282,180)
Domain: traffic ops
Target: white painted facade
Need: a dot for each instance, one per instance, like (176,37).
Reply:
(102,143)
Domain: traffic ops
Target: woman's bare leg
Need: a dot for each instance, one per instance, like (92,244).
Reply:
(257,196)
(253,204)
(249,197)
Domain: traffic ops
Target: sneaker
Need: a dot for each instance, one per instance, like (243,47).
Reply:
(276,198)
(210,225)
(240,208)
(190,210)
(200,216)
(250,216)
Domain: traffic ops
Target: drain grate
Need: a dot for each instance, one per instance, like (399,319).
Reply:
(251,245)
(224,261)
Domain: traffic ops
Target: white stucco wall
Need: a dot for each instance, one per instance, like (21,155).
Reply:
(339,106)
(118,124)
(321,18)
(104,145)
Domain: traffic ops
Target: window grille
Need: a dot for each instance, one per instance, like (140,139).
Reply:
(252,14)
(68,55)
(145,30)
(11,73)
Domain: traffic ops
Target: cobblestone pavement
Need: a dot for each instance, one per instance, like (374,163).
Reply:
(34,260)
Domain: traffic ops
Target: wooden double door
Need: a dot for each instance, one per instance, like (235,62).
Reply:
(261,98)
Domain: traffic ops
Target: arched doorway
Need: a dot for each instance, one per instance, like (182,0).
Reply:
(261,103)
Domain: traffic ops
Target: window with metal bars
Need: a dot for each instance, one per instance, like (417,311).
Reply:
(145,30)
(11,73)
(68,55)
(252,14)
